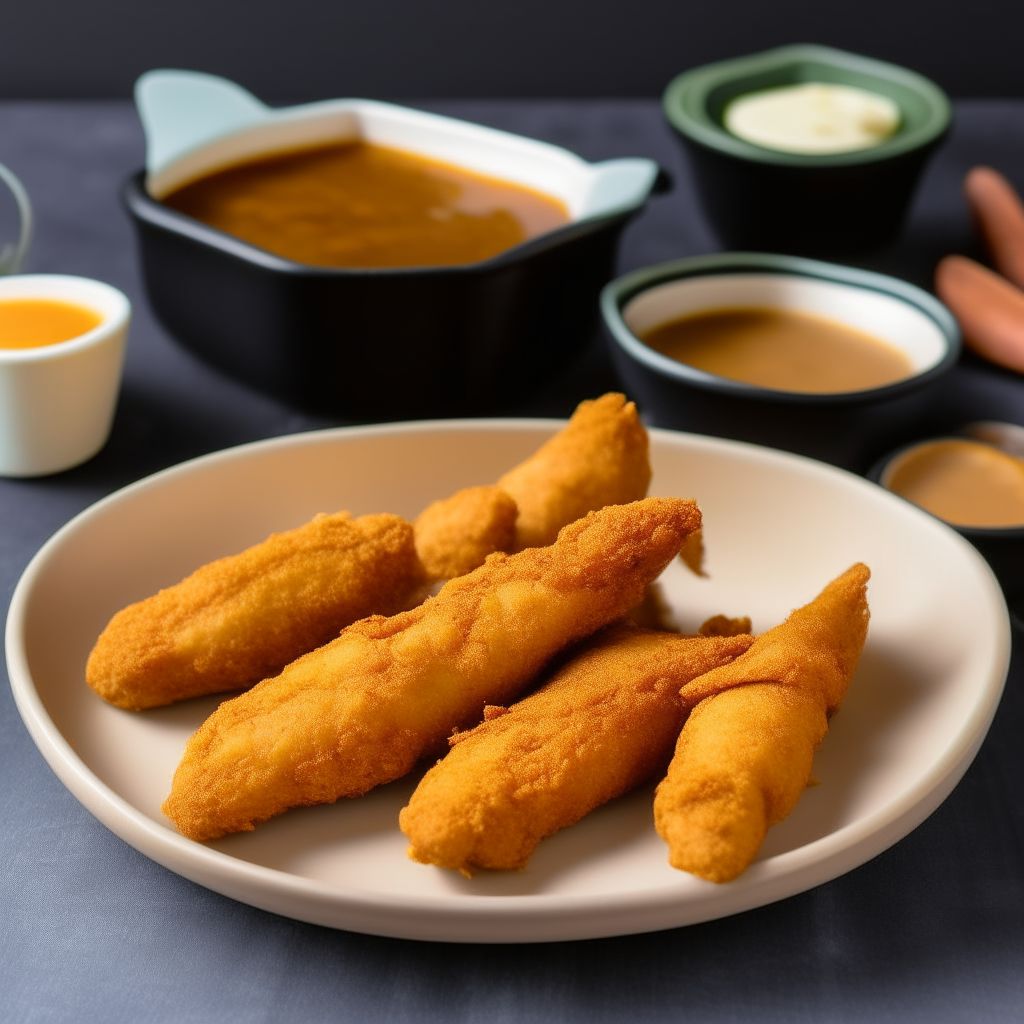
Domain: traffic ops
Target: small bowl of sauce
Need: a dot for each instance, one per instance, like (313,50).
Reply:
(973,482)
(62,342)
(812,357)
(806,149)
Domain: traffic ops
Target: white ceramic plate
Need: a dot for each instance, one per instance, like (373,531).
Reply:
(778,528)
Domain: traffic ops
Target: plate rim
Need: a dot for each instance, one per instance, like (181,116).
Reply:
(497,918)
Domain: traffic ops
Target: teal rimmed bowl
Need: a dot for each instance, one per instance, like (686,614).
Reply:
(847,428)
(805,203)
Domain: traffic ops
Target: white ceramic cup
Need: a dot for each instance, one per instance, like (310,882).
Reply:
(57,401)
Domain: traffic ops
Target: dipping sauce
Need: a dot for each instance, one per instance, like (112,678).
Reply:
(813,118)
(781,349)
(964,482)
(32,323)
(363,205)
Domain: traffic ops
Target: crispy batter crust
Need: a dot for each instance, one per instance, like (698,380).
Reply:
(456,534)
(363,709)
(653,612)
(693,553)
(604,723)
(239,619)
(722,625)
(598,459)
(745,753)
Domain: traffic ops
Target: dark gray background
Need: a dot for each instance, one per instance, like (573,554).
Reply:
(413,48)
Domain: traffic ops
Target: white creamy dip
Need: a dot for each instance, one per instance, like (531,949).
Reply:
(813,118)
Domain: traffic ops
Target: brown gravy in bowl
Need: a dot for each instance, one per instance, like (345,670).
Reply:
(780,349)
(357,204)
(964,482)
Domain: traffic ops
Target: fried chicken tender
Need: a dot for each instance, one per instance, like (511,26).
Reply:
(604,723)
(363,709)
(456,534)
(744,755)
(239,619)
(599,458)
(653,611)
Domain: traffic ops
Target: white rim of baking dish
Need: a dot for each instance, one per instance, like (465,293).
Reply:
(197,123)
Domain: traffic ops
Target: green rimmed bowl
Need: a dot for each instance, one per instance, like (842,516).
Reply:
(847,428)
(829,204)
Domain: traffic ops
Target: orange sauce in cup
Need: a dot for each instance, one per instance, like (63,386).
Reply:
(33,323)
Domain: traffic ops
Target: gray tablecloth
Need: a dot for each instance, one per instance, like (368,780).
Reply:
(932,930)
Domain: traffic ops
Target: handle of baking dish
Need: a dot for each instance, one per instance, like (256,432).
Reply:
(619,185)
(182,110)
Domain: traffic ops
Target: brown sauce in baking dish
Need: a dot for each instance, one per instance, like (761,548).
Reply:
(357,204)
(781,349)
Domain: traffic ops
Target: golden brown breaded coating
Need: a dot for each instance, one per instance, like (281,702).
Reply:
(456,534)
(745,753)
(742,762)
(653,612)
(599,458)
(239,619)
(693,553)
(604,723)
(363,709)
(722,625)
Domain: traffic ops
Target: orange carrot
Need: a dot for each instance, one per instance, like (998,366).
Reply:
(989,308)
(999,213)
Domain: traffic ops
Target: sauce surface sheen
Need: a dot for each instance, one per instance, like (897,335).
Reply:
(813,117)
(357,204)
(780,349)
(33,323)
(964,482)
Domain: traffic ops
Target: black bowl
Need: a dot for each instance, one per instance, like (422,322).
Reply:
(1002,547)
(811,204)
(376,344)
(849,429)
